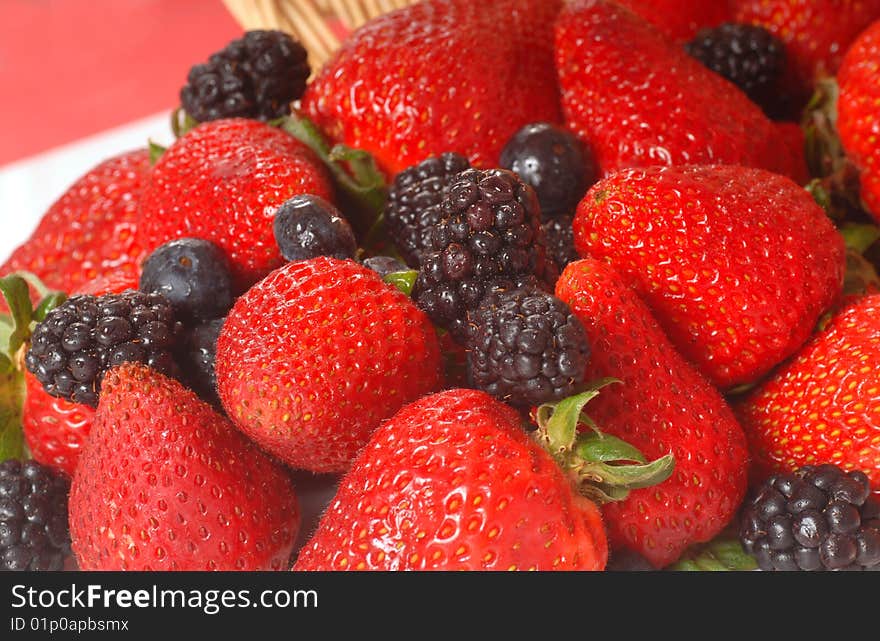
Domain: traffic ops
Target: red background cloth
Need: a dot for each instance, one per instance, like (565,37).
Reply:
(70,68)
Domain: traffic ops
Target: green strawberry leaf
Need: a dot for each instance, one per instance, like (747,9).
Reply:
(18,297)
(50,302)
(156,151)
(11,402)
(724,554)
(404,281)
(354,171)
(181,123)
(604,467)
(858,237)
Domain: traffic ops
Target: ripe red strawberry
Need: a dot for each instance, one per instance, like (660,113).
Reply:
(312,358)
(680,20)
(222,182)
(792,135)
(662,405)
(822,406)
(637,99)
(452,482)
(438,76)
(737,264)
(858,120)
(55,429)
(166,483)
(90,230)
(816,33)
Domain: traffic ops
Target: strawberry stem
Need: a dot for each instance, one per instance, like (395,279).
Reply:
(604,467)
(404,281)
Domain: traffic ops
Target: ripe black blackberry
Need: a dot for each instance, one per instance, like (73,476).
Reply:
(193,274)
(489,236)
(749,56)
(553,162)
(33,517)
(81,339)
(818,518)
(559,235)
(413,206)
(526,347)
(196,357)
(256,76)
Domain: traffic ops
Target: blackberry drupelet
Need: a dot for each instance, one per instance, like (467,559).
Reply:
(308,226)
(413,206)
(81,339)
(196,357)
(818,518)
(384,265)
(749,56)
(33,516)
(256,76)
(193,274)
(559,235)
(489,237)
(526,347)
(553,162)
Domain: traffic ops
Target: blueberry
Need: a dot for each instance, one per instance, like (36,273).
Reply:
(193,274)
(196,359)
(553,162)
(308,226)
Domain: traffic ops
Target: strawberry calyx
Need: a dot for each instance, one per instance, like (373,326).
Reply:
(354,171)
(15,332)
(603,467)
(724,553)
(403,280)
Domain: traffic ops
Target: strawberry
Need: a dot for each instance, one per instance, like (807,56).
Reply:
(816,33)
(453,482)
(55,429)
(90,230)
(637,99)
(312,358)
(823,405)
(662,405)
(438,76)
(223,182)
(166,483)
(680,20)
(737,264)
(858,121)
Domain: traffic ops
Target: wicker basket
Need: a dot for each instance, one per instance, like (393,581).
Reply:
(320,25)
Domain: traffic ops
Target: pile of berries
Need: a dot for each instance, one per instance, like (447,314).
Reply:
(408,280)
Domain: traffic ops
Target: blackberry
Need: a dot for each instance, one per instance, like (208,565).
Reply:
(526,347)
(489,237)
(384,265)
(553,162)
(256,76)
(559,236)
(196,357)
(413,206)
(82,338)
(818,518)
(193,274)
(33,516)
(308,226)
(749,56)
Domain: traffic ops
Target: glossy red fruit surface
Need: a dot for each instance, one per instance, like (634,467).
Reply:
(315,356)
(737,264)
(453,482)
(166,483)
(662,405)
(223,182)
